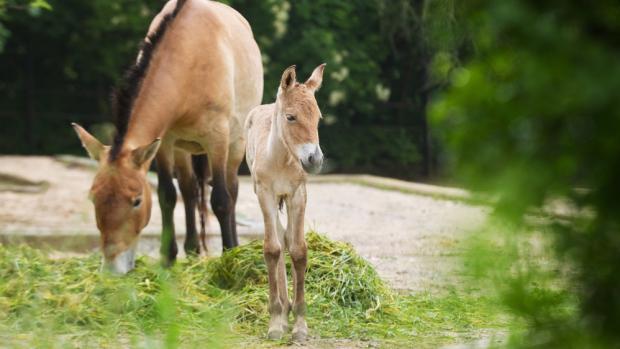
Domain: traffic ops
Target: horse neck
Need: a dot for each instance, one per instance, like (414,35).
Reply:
(278,152)
(150,119)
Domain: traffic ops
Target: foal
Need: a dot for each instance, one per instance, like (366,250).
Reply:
(282,144)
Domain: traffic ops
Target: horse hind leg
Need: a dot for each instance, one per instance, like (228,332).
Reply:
(282,277)
(200,164)
(236,152)
(221,200)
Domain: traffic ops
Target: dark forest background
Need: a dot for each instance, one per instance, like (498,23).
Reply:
(385,59)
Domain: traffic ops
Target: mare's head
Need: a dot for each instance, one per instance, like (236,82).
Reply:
(297,117)
(122,198)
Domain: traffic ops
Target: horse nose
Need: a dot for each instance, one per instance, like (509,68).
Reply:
(311,157)
(120,263)
(316,158)
(314,161)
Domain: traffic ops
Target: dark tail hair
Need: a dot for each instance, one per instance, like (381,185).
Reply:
(200,164)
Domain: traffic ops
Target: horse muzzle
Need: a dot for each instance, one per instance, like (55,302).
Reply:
(311,157)
(122,263)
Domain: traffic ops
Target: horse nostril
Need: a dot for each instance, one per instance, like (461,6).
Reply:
(310,159)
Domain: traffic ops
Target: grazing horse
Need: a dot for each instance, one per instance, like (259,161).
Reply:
(282,144)
(198,74)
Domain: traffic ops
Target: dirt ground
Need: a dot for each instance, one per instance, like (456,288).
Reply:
(410,238)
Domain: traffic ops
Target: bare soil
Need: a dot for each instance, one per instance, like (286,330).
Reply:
(411,239)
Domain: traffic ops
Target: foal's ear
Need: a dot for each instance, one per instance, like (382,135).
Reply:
(93,147)
(145,153)
(288,78)
(315,80)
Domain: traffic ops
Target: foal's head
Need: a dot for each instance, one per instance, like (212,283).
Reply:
(297,117)
(122,198)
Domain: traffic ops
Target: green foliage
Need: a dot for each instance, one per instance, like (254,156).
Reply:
(33,7)
(532,116)
(219,302)
(61,67)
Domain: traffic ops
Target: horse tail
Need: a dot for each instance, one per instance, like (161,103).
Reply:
(200,165)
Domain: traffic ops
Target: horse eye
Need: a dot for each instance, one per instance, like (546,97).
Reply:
(137,202)
(290,117)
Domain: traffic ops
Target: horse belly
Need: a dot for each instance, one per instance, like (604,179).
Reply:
(190,146)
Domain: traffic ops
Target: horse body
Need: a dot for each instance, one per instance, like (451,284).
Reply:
(196,78)
(282,144)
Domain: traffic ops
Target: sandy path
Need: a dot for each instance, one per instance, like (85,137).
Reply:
(409,238)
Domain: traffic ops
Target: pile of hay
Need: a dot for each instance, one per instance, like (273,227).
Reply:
(339,283)
(69,301)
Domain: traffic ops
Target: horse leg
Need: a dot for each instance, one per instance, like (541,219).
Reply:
(296,206)
(221,201)
(282,278)
(236,152)
(189,191)
(200,164)
(167,201)
(272,250)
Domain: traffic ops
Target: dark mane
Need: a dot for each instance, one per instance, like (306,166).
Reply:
(125,94)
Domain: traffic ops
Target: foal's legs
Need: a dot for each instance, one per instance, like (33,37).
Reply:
(167,200)
(189,191)
(281,272)
(272,249)
(296,207)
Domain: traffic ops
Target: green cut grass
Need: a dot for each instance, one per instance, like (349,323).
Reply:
(220,302)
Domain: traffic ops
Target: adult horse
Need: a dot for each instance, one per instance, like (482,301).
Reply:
(197,76)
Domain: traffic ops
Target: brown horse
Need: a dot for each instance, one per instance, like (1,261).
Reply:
(198,74)
(283,143)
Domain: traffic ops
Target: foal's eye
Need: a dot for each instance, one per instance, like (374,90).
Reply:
(137,201)
(290,117)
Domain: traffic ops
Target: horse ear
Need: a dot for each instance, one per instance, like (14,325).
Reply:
(316,79)
(93,147)
(145,153)
(288,78)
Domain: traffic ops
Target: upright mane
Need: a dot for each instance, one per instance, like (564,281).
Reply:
(125,94)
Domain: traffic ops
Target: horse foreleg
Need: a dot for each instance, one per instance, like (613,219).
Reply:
(167,201)
(272,250)
(298,250)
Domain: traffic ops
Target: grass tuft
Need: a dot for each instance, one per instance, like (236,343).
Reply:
(219,302)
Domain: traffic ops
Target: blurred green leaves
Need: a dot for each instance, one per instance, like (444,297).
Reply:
(33,7)
(532,116)
(61,67)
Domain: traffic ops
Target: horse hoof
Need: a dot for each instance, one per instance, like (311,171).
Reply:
(300,336)
(191,252)
(167,263)
(275,334)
